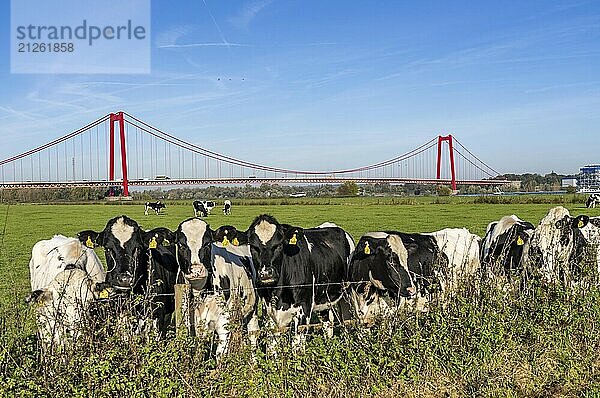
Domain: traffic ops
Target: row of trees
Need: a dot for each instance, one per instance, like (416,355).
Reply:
(529,182)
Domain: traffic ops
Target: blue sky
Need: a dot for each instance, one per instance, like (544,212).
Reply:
(334,84)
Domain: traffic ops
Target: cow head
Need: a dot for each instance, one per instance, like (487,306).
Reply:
(229,235)
(557,244)
(506,244)
(268,239)
(382,259)
(193,239)
(379,274)
(126,250)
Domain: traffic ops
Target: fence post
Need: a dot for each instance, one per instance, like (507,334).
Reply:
(183,309)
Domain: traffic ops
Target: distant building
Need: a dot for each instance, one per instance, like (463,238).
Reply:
(568,182)
(589,178)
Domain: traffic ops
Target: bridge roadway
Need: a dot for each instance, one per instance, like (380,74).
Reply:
(240,181)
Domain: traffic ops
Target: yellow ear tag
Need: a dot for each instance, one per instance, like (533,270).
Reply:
(225,241)
(367,248)
(103,294)
(293,240)
(89,242)
(580,224)
(235,242)
(152,244)
(520,241)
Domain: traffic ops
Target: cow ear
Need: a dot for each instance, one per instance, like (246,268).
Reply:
(39,297)
(580,221)
(91,238)
(292,235)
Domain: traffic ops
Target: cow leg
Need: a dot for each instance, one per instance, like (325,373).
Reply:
(223,334)
(253,330)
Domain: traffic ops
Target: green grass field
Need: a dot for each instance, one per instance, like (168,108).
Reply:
(480,347)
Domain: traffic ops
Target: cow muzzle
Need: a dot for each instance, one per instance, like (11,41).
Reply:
(267,275)
(123,281)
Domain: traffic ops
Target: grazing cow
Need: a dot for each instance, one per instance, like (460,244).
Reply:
(390,269)
(558,246)
(156,206)
(138,264)
(203,207)
(62,305)
(231,285)
(592,200)
(227,207)
(52,256)
(505,245)
(300,271)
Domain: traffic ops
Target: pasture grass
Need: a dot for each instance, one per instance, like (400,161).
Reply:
(540,342)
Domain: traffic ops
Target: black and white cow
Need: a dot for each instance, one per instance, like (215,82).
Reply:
(204,207)
(138,263)
(392,269)
(156,206)
(192,239)
(227,207)
(592,200)
(558,246)
(505,246)
(64,279)
(232,296)
(300,271)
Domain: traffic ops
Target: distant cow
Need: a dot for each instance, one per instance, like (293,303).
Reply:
(391,269)
(300,271)
(204,207)
(156,206)
(138,263)
(558,246)
(592,200)
(227,207)
(505,246)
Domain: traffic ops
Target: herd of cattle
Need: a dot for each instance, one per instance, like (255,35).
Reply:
(297,275)
(202,207)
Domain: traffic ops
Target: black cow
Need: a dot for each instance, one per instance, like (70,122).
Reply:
(300,271)
(203,207)
(505,246)
(592,200)
(389,269)
(156,206)
(139,262)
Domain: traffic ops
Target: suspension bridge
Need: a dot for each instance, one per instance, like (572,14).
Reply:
(87,157)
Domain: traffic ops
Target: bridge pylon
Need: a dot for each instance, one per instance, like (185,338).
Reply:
(441,139)
(118,117)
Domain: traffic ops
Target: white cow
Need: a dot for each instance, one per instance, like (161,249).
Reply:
(52,256)
(64,274)
(62,306)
